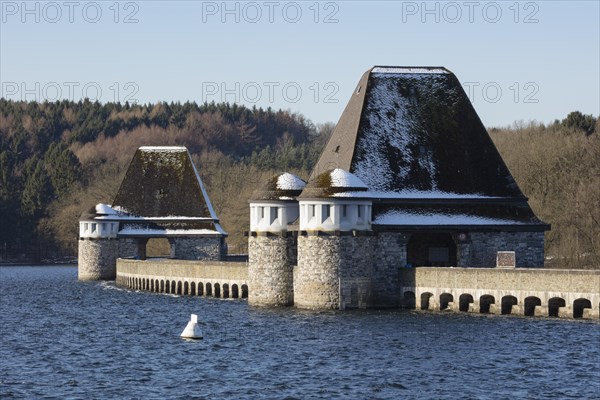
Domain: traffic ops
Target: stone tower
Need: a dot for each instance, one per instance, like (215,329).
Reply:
(98,244)
(334,246)
(271,248)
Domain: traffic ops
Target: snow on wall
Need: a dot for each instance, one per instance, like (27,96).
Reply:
(406,218)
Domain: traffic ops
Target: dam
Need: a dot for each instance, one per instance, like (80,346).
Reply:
(527,292)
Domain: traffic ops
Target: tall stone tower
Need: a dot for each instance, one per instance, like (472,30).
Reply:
(271,248)
(98,244)
(334,246)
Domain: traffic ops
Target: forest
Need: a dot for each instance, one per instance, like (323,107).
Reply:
(57,159)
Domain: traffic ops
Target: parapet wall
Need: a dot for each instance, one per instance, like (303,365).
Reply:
(185,277)
(441,288)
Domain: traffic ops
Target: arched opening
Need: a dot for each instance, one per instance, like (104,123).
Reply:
(162,286)
(173,287)
(193,288)
(431,249)
(186,288)
(485,302)
(464,301)
(179,288)
(244,291)
(579,305)
(158,247)
(200,289)
(225,291)
(409,300)
(425,300)
(208,289)
(167,287)
(445,298)
(217,290)
(235,293)
(152,285)
(554,305)
(506,304)
(530,303)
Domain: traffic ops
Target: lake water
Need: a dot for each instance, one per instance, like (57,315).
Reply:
(61,338)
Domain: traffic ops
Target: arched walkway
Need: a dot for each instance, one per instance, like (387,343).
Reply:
(225,291)
(579,305)
(425,297)
(530,303)
(506,304)
(464,301)
(554,305)
(485,303)
(445,298)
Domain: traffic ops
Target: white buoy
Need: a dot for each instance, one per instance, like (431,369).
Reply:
(192,329)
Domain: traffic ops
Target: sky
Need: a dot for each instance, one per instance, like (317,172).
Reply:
(517,61)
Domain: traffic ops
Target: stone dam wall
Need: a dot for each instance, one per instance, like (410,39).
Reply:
(521,291)
(185,277)
(527,291)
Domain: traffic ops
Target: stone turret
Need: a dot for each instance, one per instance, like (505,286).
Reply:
(334,247)
(271,247)
(98,244)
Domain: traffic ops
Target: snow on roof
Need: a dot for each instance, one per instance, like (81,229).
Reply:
(163,148)
(344,179)
(397,217)
(105,209)
(413,194)
(287,181)
(409,70)
(167,232)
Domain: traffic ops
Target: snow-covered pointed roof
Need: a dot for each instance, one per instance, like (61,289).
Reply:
(104,209)
(283,187)
(287,181)
(411,134)
(414,129)
(333,182)
(162,181)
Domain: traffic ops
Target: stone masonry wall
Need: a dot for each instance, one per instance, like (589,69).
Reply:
(390,256)
(270,274)
(97,259)
(325,260)
(197,248)
(483,246)
(128,248)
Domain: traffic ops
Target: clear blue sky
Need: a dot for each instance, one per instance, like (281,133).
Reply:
(518,60)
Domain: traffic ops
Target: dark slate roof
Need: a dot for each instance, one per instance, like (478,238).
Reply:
(163,182)
(412,133)
(282,187)
(415,129)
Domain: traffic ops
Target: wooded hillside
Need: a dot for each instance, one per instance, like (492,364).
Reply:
(58,159)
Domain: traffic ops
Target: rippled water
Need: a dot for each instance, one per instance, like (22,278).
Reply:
(66,339)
